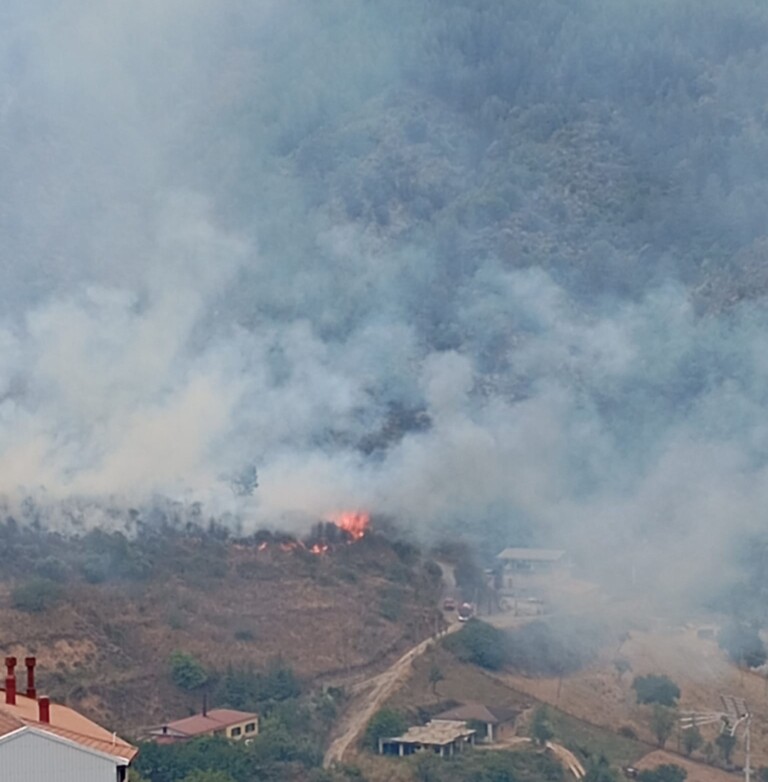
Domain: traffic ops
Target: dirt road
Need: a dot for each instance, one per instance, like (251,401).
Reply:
(368,698)
(370,695)
(568,759)
(565,756)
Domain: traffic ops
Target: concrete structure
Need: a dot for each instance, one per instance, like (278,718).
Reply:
(532,559)
(229,723)
(497,722)
(443,737)
(529,572)
(40,740)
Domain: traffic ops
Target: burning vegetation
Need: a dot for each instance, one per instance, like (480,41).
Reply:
(341,529)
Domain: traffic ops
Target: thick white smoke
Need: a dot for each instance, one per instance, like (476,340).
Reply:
(179,304)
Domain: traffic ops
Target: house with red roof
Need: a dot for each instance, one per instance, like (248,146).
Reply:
(43,740)
(228,723)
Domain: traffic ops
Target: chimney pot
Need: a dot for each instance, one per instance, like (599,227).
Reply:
(10,664)
(30,662)
(45,708)
(10,690)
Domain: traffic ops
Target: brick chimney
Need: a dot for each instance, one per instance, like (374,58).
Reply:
(10,690)
(10,681)
(30,662)
(44,704)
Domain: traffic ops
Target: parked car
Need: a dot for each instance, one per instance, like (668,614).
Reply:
(466,612)
(449,604)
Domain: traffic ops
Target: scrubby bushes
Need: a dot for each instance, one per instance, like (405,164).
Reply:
(480,644)
(656,689)
(538,648)
(247,689)
(665,773)
(187,672)
(554,648)
(384,724)
(36,595)
(743,644)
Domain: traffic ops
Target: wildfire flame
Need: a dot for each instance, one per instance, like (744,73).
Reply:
(355,523)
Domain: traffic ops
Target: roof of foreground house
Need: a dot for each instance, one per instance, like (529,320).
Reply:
(438,733)
(65,723)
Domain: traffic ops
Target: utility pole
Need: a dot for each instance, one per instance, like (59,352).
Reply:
(735,714)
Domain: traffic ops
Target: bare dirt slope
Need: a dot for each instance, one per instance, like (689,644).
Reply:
(105,648)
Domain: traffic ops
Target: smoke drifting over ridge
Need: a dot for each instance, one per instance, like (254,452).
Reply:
(202,273)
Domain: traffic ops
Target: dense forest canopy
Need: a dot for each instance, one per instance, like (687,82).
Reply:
(477,264)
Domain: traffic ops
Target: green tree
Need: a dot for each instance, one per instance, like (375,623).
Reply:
(743,644)
(662,723)
(541,727)
(384,724)
(36,595)
(656,689)
(599,770)
(428,768)
(478,643)
(208,776)
(186,672)
(668,772)
(692,739)
(726,744)
(436,675)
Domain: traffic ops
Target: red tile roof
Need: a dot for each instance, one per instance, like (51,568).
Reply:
(66,723)
(200,725)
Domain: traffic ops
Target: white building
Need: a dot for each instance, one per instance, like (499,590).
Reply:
(42,741)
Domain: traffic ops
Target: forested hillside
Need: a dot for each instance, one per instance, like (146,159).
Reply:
(496,267)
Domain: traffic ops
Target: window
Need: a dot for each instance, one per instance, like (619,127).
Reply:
(250,727)
(236,732)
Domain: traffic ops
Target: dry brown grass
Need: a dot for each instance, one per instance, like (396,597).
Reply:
(105,649)
(697,666)
(697,772)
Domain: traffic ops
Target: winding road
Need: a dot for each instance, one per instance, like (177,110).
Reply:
(370,695)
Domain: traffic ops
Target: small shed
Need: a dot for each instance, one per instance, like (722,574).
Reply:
(443,737)
(497,720)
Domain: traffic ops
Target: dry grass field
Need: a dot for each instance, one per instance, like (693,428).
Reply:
(105,648)
(601,697)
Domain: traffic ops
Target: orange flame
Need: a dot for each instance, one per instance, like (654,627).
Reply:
(355,523)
